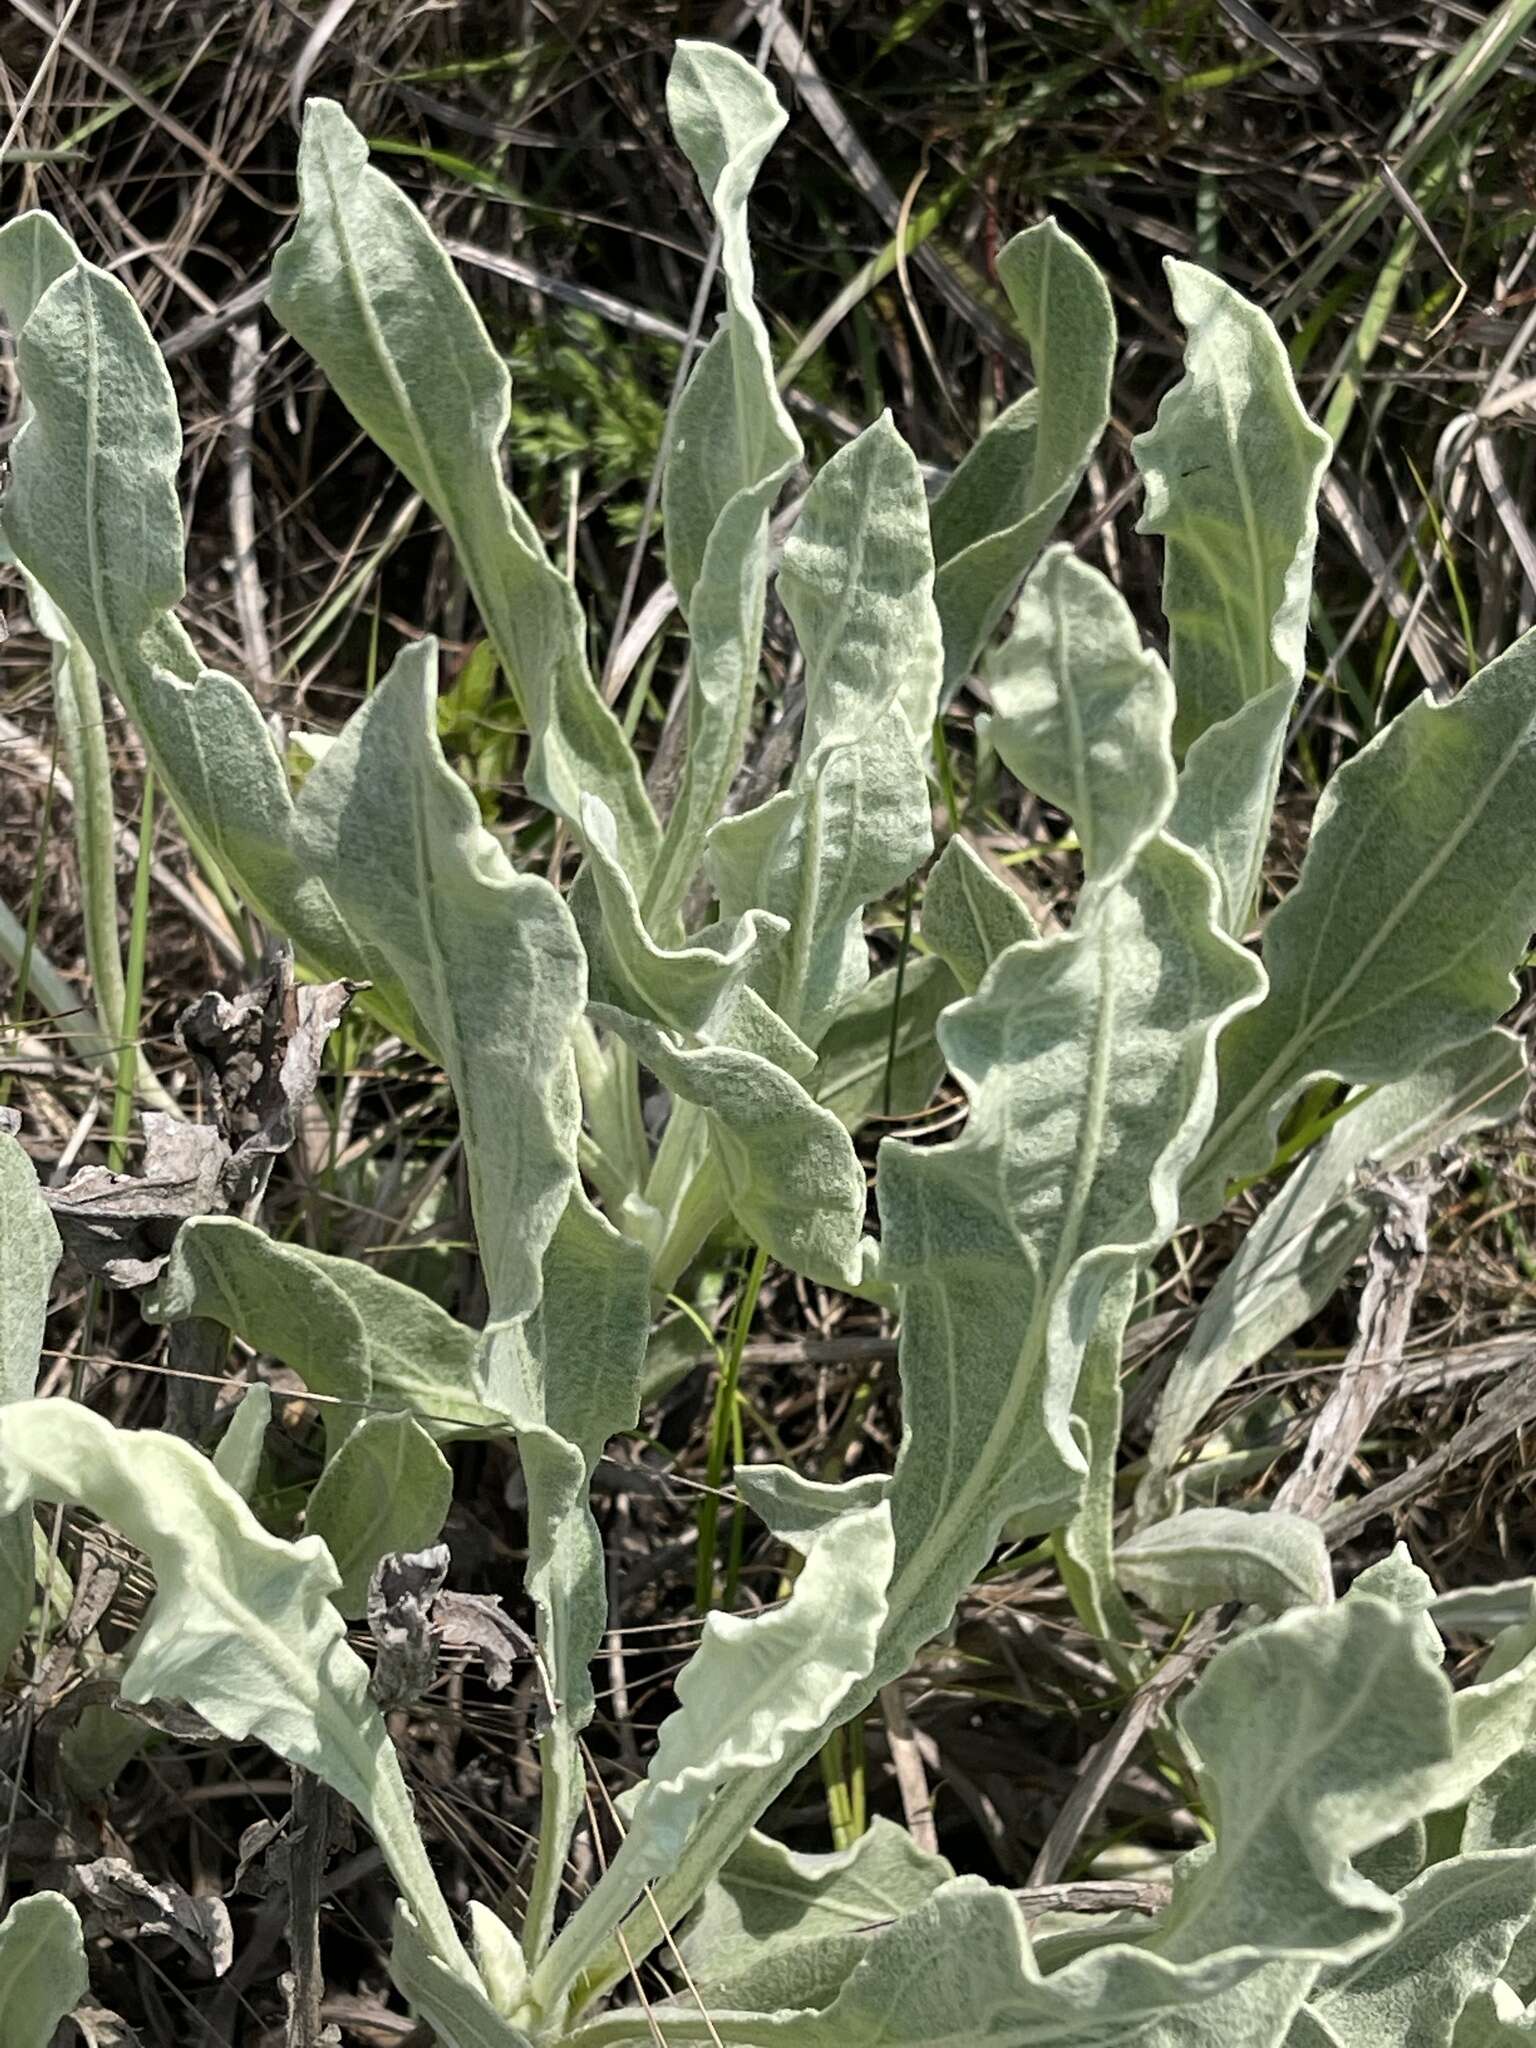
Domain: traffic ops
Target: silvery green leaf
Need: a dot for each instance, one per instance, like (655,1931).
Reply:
(854,1062)
(242,1627)
(455,2006)
(1460,1920)
(29,1252)
(800,1511)
(733,446)
(1084,711)
(1226,798)
(388,1488)
(237,1459)
(1004,499)
(1085,1109)
(568,1377)
(1207,1556)
(969,915)
(43,1974)
(349,1331)
(1293,1259)
(34,253)
(364,286)
(1498,2018)
(790,1171)
(679,987)
(857,581)
(1484,1610)
(751,1695)
(272,1297)
(489,958)
(1415,901)
(769,1903)
(1232,468)
(92,513)
(1085,1543)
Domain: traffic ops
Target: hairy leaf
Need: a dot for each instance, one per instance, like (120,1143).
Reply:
(457,2008)
(1311,1232)
(1416,898)
(92,514)
(364,286)
(490,958)
(969,915)
(859,1072)
(750,1695)
(857,581)
(1084,711)
(733,446)
(790,1170)
(679,987)
(1232,467)
(1207,1556)
(1003,500)
(43,1975)
(29,1252)
(388,1488)
(242,1627)
(1459,1922)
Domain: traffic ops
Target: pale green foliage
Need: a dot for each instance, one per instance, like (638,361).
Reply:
(1209,1555)
(1369,1875)
(42,1969)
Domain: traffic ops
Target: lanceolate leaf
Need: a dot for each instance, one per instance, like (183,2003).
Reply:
(92,514)
(387,1489)
(348,1330)
(858,1074)
(1210,1555)
(1312,1231)
(857,581)
(1459,1922)
(769,1901)
(1084,711)
(457,2008)
(969,915)
(1233,467)
(1004,499)
(679,987)
(1085,1109)
(242,1627)
(1084,1113)
(790,1170)
(489,958)
(29,1252)
(733,446)
(750,1696)
(43,1975)
(1227,794)
(365,287)
(1416,898)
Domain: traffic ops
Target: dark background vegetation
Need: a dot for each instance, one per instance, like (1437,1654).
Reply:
(1300,148)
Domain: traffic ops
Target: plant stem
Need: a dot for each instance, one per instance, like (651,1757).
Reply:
(720,1432)
(133,984)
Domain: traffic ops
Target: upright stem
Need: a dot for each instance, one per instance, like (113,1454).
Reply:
(721,1431)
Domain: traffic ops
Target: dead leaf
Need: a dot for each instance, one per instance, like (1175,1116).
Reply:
(122,1901)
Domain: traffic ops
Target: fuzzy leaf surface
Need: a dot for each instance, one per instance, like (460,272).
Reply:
(1207,1556)
(43,1974)
(733,447)
(997,509)
(1416,898)
(242,1627)
(364,286)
